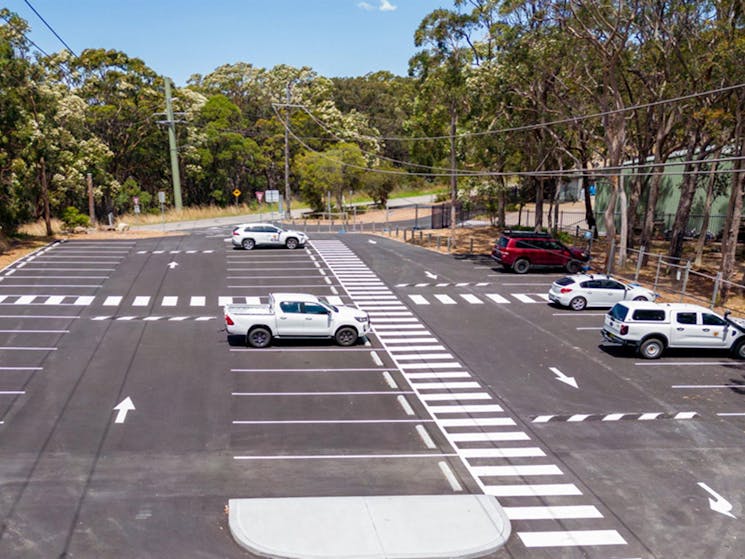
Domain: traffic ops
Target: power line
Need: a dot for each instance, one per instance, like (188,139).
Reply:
(25,37)
(50,28)
(621,170)
(569,120)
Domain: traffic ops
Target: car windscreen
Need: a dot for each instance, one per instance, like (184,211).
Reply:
(502,242)
(564,281)
(619,312)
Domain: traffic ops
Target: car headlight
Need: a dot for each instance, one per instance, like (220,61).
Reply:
(361,318)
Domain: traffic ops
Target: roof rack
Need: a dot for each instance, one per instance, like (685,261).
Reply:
(526,234)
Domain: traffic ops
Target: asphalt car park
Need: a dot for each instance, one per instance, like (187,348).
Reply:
(449,396)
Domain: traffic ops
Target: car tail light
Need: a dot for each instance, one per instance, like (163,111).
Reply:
(566,290)
(229,321)
(235,232)
(624,329)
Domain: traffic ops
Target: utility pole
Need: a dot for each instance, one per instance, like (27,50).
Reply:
(173,147)
(288,213)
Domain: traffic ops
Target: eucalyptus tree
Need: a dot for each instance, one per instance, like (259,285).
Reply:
(442,67)
(15,122)
(334,171)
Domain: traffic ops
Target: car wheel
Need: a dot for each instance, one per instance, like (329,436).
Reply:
(259,337)
(521,266)
(651,348)
(641,298)
(578,303)
(291,243)
(574,267)
(248,244)
(739,349)
(346,336)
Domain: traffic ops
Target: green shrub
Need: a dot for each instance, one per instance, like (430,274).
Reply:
(72,218)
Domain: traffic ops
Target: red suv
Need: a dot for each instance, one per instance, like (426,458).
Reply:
(522,250)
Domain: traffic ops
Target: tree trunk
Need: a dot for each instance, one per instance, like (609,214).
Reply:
(734,210)
(687,192)
(539,204)
(699,255)
(501,204)
(45,197)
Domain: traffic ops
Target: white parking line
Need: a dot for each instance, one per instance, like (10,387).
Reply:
(141,301)
(112,301)
(197,302)
(25,348)
(169,301)
(448,473)
(427,455)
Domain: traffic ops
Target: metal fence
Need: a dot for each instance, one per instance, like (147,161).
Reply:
(676,280)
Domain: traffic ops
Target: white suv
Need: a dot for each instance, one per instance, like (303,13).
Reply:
(250,235)
(652,327)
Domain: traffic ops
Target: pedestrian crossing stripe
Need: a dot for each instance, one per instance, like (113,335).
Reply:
(458,284)
(155,318)
(175,251)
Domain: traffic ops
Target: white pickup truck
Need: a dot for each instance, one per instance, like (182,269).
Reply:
(652,327)
(295,315)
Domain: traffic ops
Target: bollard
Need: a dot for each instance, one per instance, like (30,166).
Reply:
(429,239)
(421,235)
(438,242)
(404,235)
(448,246)
(397,231)
(470,250)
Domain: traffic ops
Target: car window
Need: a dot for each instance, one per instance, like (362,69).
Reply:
(502,242)
(525,244)
(612,284)
(314,308)
(566,281)
(270,229)
(553,245)
(712,319)
(649,314)
(619,311)
(592,284)
(290,306)
(685,318)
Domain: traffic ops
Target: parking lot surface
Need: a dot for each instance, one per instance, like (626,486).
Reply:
(129,420)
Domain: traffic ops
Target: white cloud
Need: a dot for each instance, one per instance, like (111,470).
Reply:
(385,6)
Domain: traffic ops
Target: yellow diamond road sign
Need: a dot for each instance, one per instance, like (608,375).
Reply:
(236,193)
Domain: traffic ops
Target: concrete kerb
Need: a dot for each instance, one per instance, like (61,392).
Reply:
(377,527)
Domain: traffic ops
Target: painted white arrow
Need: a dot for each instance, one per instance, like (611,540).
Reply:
(122,409)
(372,242)
(563,378)
(172,265)
(718,503)
(430,275)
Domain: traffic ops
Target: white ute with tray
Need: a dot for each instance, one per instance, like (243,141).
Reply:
(653,327)
(295,315)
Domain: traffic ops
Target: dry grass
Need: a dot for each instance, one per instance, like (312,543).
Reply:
(196,213)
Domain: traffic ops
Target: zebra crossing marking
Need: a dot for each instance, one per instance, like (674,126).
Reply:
(468,435)
(577,418)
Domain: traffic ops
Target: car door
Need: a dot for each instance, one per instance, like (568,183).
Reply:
(290,319)
(698,329)
(555,254)
(317,319)
(272,235)
(612,292)
(590,289)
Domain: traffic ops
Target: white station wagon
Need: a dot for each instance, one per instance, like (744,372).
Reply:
(250,235)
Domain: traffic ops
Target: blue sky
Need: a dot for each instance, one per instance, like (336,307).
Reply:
(180,38)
